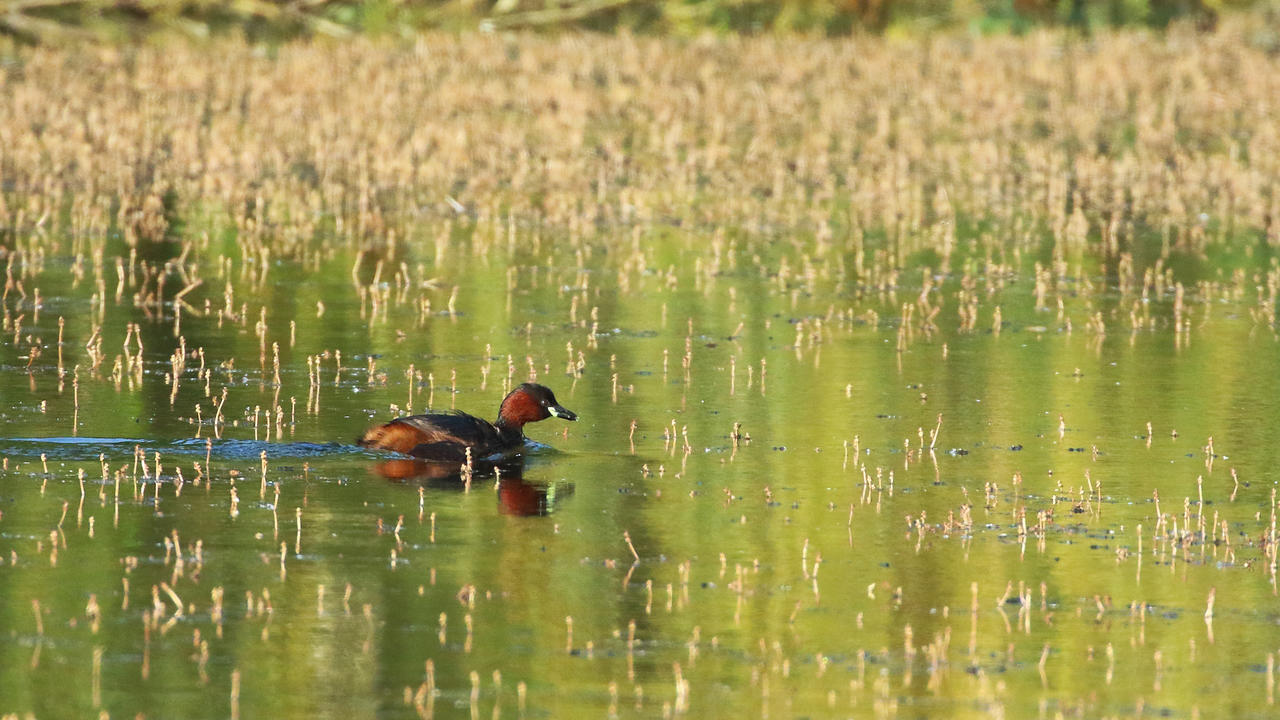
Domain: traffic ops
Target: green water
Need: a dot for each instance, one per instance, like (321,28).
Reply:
(840,562)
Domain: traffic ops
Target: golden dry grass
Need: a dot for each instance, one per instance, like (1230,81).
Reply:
(362,143)
(818,161)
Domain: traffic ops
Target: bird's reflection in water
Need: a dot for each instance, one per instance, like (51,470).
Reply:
(516,496)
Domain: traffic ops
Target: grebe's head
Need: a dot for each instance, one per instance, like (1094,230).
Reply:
(531,402)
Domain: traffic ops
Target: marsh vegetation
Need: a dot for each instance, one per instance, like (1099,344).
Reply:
(275,20)
(915,377)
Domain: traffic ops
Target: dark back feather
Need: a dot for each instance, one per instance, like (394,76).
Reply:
(442,435)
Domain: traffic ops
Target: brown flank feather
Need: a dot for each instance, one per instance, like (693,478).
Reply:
(394,436)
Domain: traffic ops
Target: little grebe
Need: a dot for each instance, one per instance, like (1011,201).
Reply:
(446,436)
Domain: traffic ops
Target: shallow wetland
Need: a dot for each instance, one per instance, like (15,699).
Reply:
(928,378)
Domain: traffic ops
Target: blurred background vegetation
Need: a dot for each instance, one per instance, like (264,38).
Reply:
(266,20)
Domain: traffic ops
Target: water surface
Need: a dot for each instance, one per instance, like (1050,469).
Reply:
(833,557)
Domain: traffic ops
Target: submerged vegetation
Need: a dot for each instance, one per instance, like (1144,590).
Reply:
(915,375)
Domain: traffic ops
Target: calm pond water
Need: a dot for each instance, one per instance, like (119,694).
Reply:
(1041,555)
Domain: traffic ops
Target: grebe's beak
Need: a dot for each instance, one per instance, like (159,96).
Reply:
(561,412)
